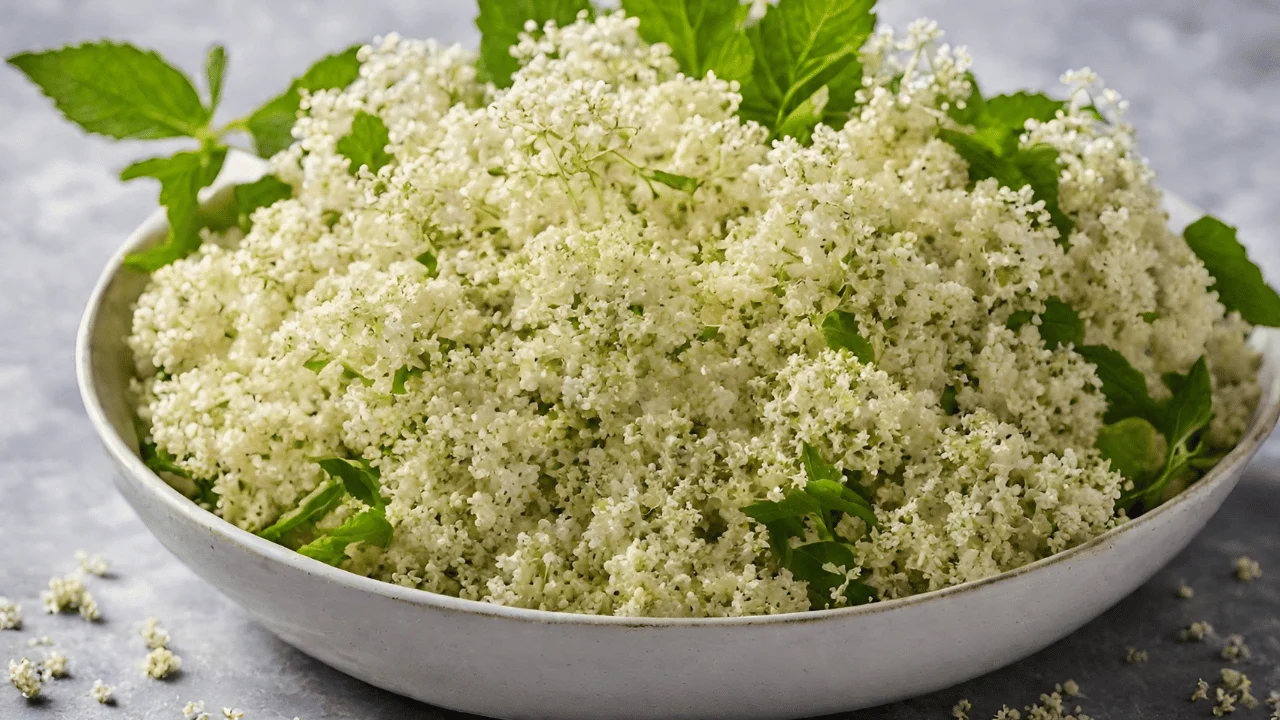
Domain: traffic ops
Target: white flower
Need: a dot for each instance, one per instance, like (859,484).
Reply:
(556,425)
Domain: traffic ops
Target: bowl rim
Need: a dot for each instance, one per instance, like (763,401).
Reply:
(180,506)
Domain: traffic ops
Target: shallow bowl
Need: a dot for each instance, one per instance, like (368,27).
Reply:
(515,663)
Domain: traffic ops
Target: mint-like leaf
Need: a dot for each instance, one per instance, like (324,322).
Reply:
(260,193)
(272,124)
(840,328)
(313,508)
(214,68)
(117,90)
(1135,448)
(1123,385)
(704,35)
(366,144)
(359,478)
(1238,281)
(1191,408)
(181,177)
(501,22)
(370,527)
(800,46)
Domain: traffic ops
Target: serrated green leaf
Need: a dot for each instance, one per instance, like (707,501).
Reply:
(181,177)
(272,124)
(1003,118)
(1036,166)
(800,123)
(369,527)
(366,144)
(360,479)
(841,331)
(117,90)
(704,35)
(215,67)
(501,22)
(1237,280)
(263,192)
(1135,448)
(313,508)
(672,180)
(800,46)
(1060,325)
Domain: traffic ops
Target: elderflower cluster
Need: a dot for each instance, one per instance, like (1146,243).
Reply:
(25,676)
(69,593)
(571,404)
(10,615)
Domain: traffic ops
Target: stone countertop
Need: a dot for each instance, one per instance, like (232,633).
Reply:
(1204,82)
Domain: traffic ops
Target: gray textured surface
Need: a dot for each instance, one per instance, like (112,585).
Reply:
(1204,80)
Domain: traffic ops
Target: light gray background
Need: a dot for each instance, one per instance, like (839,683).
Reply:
(1204,80)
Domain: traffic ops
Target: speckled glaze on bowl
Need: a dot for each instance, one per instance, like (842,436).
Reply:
(513,663)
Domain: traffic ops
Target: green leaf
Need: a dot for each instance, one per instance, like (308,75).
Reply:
(1135,448)
(402,376)
(1018,319)
(1238,281)
(840,328)
(360,479)
(272,124)
(1123,385)
(679,182)
(800,46)
(265,191)
(1003,118)
(795,504)
(1191,408)
(1060,325)
(815,466)
(428,261)
(214,68)
(709,333)
(1039,165)
(807,565)
(181,177)
(160,460)
(117,90)
(366,144)
(704,35)
(370,527)
(948,401)
(318,362)
(800,123)
(832,495)
(314,507)
(501,22)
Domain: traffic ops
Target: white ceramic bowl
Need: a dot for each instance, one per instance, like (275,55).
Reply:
(514,663)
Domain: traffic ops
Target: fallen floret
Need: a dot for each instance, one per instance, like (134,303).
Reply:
(101,692)
(160,663)
(1247,569)
(1196,632)
(25,676)
(92,564)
